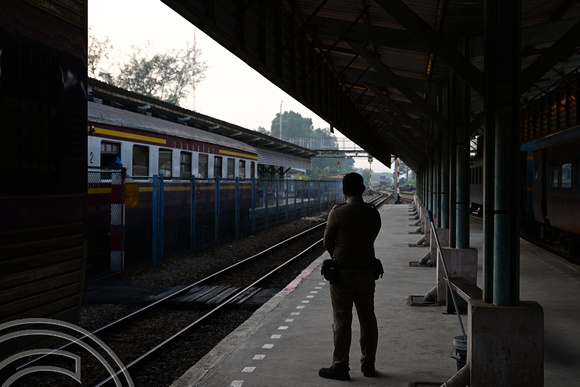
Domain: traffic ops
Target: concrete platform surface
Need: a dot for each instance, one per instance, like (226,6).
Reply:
(289,339)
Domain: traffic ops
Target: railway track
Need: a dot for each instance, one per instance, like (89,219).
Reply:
(155,341)
(231,287)
(406,197)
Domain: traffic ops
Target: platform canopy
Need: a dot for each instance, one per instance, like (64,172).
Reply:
(378,70)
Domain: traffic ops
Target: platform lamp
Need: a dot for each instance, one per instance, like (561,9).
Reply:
(397,191)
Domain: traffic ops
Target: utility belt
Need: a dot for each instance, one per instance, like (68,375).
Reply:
(351,266)
(331,268)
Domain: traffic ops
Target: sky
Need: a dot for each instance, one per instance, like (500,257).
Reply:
(231,91)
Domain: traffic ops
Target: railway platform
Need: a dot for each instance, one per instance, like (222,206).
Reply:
(289,339)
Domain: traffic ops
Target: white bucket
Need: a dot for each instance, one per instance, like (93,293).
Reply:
(460,347)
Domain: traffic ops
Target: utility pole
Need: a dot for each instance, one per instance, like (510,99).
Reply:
(281,119)
(397,195)
(370,173)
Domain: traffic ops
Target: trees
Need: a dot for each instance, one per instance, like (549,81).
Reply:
(294,126)
(165,76)
(99,51)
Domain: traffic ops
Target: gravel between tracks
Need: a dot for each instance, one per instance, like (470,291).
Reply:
(186,269)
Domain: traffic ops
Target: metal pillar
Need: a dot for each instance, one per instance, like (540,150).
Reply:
(461,102)
(444,184)
(444,157)
(431,169)
(503,38)
(489,149)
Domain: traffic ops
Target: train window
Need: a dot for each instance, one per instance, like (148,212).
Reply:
(110,151)
(217,166)
(202,167)
(242,173)
(554,173)
(231,169)
(252,170)
(140,160)
(567,174)
(185,169)
(165,163)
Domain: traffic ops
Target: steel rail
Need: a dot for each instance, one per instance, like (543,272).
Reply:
(206,316)
(141,359)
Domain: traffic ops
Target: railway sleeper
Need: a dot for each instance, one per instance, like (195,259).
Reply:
(210,296)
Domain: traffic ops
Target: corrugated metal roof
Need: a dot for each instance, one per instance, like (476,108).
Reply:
(376,69)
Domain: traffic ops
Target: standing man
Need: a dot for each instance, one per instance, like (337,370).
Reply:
(349,237)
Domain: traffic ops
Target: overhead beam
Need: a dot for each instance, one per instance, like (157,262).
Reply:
(440,47)
(395,108)
(396,82)
(403,146)
(383,36)
(404,133)
(557,52)
(407,41)
(419,85)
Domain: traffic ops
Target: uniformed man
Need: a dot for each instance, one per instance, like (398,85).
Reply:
(349,237)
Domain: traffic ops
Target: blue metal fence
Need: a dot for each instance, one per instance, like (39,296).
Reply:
(164,217)
(221,210)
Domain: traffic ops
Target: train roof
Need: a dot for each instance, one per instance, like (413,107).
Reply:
(104,114)
(114,96)
(557,137)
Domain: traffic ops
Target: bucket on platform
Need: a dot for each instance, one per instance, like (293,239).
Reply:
(460,347)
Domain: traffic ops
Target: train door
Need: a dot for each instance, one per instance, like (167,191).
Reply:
(540,185)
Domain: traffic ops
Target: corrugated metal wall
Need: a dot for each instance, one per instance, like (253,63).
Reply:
(268,157)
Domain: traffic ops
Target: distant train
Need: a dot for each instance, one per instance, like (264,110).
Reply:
(141,147)
(549,190)
(382,182)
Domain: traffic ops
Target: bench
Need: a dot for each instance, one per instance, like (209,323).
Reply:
(465,289)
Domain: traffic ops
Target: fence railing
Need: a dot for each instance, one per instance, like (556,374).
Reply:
(132,221)
(340,144)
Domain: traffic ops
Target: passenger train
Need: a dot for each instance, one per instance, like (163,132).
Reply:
(141,147)
(549,190)
(146,146)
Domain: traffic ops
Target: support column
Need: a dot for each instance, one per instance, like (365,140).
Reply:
(460,259)
(461,102)
(505,339)
(444,223)
(503,79)
(506,344)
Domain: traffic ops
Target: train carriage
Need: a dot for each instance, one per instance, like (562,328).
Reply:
(549,204)
(556,186)
(140,147)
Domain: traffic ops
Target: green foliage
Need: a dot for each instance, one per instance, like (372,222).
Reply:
(164,76)
(99,56)
(263,130)
(293,126)
(327,166)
